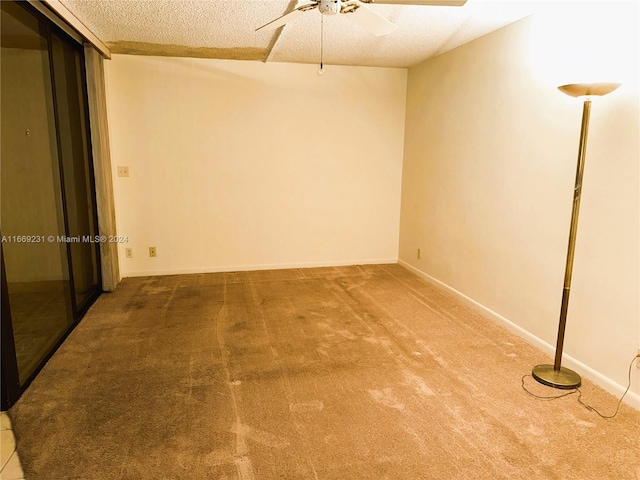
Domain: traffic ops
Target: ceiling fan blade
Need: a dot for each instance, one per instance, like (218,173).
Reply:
(287,17)
(373,22)
(437,3)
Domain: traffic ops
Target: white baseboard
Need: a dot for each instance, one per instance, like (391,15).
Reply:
(632,399)
(249,268)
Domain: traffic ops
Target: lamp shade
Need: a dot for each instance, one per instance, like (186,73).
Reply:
(589,89)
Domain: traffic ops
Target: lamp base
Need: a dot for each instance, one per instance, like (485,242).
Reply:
(564,378)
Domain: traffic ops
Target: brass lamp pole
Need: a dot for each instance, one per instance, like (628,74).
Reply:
(555,375)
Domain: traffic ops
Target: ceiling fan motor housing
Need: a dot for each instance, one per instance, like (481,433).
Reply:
(329,7)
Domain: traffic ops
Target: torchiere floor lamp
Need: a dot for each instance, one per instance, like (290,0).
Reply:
(555,375)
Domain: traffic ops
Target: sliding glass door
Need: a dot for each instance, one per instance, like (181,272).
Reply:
(82,229)
(48,225)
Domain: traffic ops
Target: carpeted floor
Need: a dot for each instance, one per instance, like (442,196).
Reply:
(329,373)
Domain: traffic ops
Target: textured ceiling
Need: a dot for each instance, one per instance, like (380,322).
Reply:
(226,29)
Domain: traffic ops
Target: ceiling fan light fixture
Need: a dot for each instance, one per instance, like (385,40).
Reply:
(329,7)
(357,11)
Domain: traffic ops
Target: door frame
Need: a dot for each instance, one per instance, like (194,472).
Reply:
(10,379)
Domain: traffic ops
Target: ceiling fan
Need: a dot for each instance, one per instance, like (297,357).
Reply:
(363,16)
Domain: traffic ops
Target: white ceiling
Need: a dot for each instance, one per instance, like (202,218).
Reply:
(226,29)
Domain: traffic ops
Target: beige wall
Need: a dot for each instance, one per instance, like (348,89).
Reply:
(489,167)
(244,165)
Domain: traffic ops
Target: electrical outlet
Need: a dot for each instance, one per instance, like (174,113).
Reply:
(123,171)
(128,252)
(152,251)
(418,254)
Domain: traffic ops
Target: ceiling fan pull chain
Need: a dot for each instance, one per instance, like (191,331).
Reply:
(321,71)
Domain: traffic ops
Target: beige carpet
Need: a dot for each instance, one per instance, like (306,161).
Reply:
(329,373)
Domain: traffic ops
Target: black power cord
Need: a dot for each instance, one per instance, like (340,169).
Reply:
(579,392)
